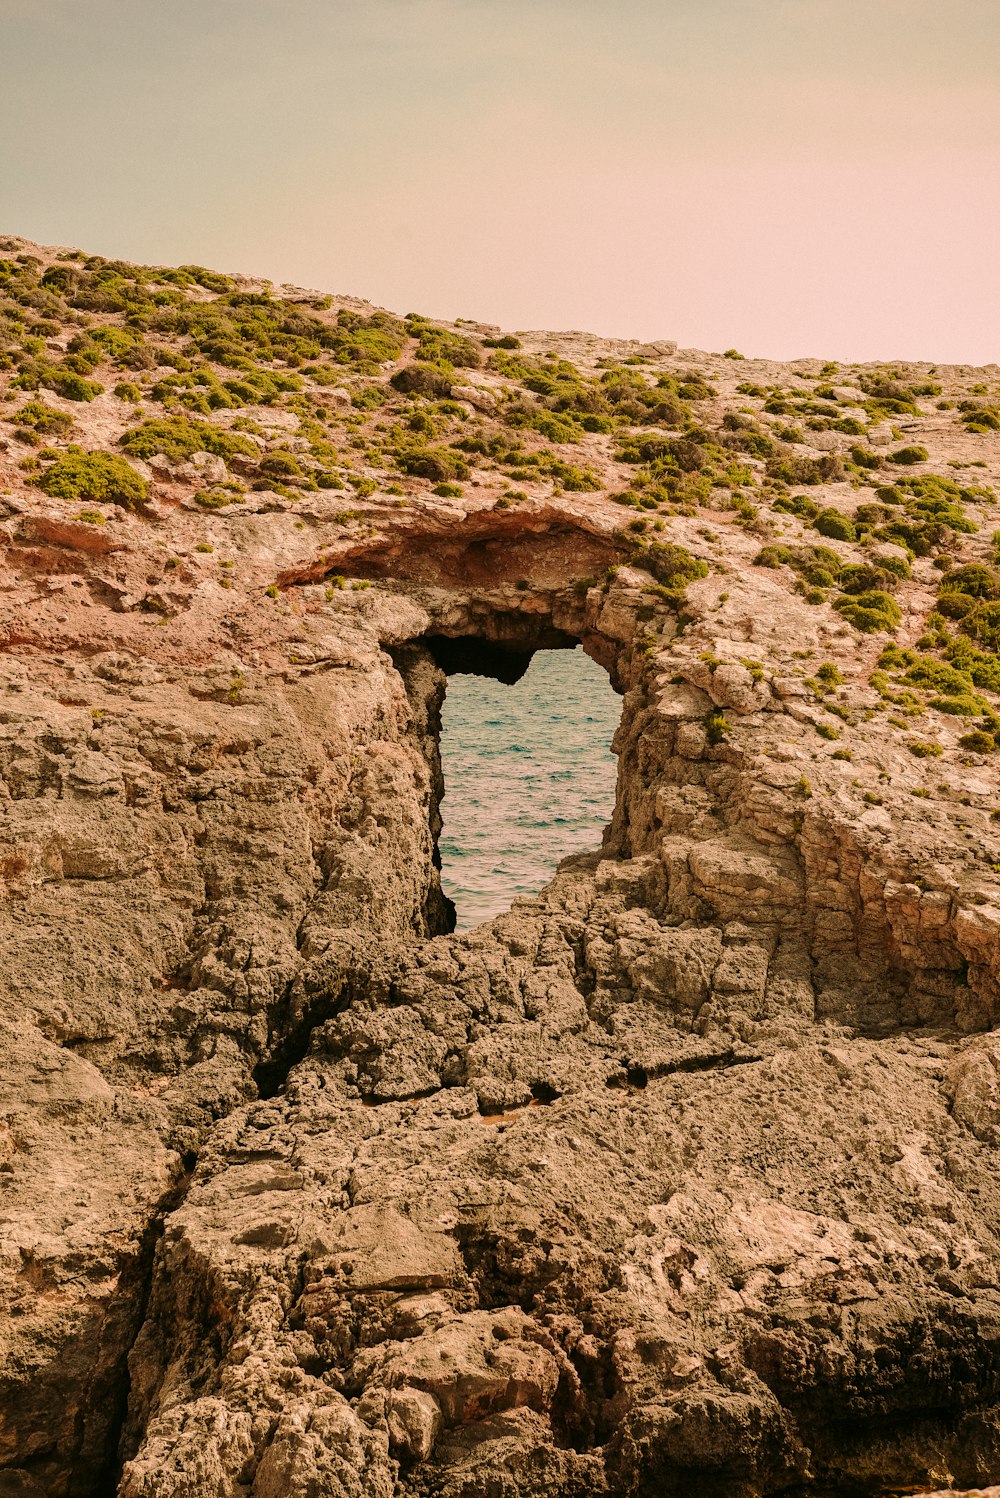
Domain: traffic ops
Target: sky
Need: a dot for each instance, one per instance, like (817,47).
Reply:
(786,177)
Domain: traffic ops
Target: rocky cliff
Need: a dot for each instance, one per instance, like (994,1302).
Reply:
(680,1177)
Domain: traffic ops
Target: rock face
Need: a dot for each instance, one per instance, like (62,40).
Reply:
(680,1177)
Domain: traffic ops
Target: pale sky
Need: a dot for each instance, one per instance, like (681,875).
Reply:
(789,177)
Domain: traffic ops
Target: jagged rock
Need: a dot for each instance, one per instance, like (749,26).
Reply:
(972,1082)
(376,1248)
(680,1176)
(476,395)
(733,686)
(414,1423)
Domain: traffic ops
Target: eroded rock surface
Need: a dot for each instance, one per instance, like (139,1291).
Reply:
(680,1177)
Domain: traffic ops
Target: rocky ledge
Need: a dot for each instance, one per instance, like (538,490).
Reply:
(679,1177)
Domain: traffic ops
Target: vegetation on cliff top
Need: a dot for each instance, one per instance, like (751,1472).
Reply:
(294,392)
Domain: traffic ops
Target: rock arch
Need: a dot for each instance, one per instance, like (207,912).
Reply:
(550,1198)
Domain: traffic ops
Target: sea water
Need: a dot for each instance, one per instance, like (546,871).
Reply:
(529,778)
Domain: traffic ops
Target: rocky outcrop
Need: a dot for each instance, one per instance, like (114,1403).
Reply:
(680,1176)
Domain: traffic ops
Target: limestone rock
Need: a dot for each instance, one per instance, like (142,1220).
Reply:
(680,1175)
(476,395)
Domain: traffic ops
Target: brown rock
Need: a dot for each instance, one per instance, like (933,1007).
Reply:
(678,1176)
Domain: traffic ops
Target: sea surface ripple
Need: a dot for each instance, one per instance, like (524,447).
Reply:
(529,778)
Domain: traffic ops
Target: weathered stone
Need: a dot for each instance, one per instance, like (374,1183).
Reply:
(414,1423)
(678,1176)
(375,1248)
(476,395)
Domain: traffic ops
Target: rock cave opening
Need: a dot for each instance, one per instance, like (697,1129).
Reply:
(528,771)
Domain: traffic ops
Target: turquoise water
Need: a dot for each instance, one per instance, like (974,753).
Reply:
(529,778)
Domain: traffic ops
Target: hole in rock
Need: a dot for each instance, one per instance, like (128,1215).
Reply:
(528,771)
(544,1092)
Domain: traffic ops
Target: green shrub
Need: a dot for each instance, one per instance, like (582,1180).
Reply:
(197,390)
(127,390)
(506,451)
(60,278)
(679,453)
(325,374)
(899,567)
(934,510)
(36,421)
(982,668)
(556,428)
(792,470)
(925,671)
(836,526)
(96,476)
(739,433)
(508,341)
(187,275)
(976,580)
(979,418)
(177,437)
(259,387)
(955,604)
(670,564)
(73,387)
(439,464)
(983,624)
(218,497)
(861,577)
(448,491)
(122,346)
(925,750)
(512,366)
(908,455)
(441,346)
(819,577)
(773,556)
(368,397)
(113,286)
(421,379)
(887,396)
(797,504)
(959,707)
(244,329)
(422,422)
(716,726)
(978,741)
(870,612)
(281,465)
